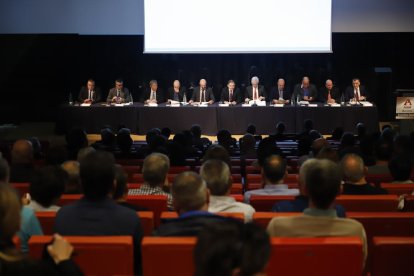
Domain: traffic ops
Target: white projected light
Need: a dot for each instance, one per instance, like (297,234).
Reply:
(237,26)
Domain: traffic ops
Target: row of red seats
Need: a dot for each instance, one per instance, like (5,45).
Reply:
(318,256)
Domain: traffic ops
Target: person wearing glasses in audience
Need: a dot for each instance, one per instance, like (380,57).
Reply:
(119,94)
(90,93)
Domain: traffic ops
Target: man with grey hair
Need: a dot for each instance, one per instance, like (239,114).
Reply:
(280,94)
(202,93)
(155,170)
(153,95)
(305,90)
(217,175)
(353,171)
(176,92)
(329,93)
(255,91)
(191,199)
(119,94)
(323,181)
(22,161)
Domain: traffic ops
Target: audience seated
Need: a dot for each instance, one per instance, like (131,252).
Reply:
(155,170)
(217,176)
(83,152)
(56,155)
(301,202)
(231,248)
(322,184)
(47,185)
(107,142)
(191,198)
(13,261)
(280,132)
(307,127)
(120,193)
(96,214)
(73,184)
(251,129)
(124,143)
(76,139)
(328,153)
(348,145)
(225,140)
(336,134)
(383,153)
(274,171)
(199,142)
(217,152)
(400,168)
(247,147)
(21,162)
(353,171)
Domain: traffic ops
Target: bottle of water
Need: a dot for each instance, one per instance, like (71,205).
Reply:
(342,100)
(184,99)
(131,100)
(297,99)
(70,99)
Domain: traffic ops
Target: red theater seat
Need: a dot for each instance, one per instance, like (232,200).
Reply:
(22,188)
(172,215)
(377,179)
(254,181)
(368,203)
(66,199)
(392,256)
(263,218)
(237,188)
(104,255)
(398,189)
(154,203)
(265,203)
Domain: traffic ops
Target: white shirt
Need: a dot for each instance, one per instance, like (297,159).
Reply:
(39,208)
(153,95)
(228,204)
(271,189)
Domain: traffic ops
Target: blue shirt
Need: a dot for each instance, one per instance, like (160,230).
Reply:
(30,227)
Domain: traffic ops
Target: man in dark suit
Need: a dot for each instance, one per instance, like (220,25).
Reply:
(176,93)
(231,94)
(329,94)
(119,94)
(279,94)
(255,91)
(202,93)
(306,91)
(356,92)
(89,93)
(153,94)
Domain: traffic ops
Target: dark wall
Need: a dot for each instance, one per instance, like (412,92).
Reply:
(37,72)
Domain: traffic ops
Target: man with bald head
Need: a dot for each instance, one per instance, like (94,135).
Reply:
(22,161)
(176,92)
(280,94)
(202,93)
(330,93)
(306,90)
(353,171)
(255,91)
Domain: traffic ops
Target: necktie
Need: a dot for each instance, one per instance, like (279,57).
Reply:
(356,95)
(231,96)
(90,95)
(117,93)
(281,95)
(255,94)
(329,95)
(202,96)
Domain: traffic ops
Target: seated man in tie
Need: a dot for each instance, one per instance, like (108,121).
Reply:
(356,92)
(153,94)
(279,94)
(230,94)
(306,91)
(119,93)
(89,93)
(202,93)
(176,92)
(330,94)
(255,91)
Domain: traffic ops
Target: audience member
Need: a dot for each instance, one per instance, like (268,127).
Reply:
(217,152)
(401,168)
(22,161)
(76,139)
(247,147)
(56,155)
(73,184)
(120,193)
(328,153)
(383,153)
(83,152)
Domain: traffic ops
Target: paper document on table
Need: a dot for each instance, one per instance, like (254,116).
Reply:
(367,104)
(303,102)
(224,104)
(152,104)
(85,104)
(278,105)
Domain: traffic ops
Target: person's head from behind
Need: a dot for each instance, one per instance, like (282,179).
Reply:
(266,148)
(323,183)
(196,130)
(124,139)
(274,169)
(248,142)
(22,152)
(251,128)
(155,169)
(347,140)
(10,206)
(308,125)
(4,171)
(361,129)
(47,185)
(121,183)
(328,153)
(56,155)
(217,176)
(83,152)
(217,152)
(224,138)
(337,133)
(304,146)
(353,168)
(400,168)
(166,132)
(76,138)
(280,128)
(97,172)
(107,137)
(302,174)
(151,134)
(231,248)
(318,144)
(402,145)
(189,193)
(73,185)
(383,150)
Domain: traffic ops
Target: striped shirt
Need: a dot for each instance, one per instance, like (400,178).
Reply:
(146,189)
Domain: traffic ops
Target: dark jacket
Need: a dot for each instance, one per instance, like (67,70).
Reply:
(365,189)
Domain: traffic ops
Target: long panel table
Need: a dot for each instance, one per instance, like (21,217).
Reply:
(140,118)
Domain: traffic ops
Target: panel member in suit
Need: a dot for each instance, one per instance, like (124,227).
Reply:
(356,92)
(255,91)
(176,92)
(89,93)
(119,93)
(279,94)
(329,94)
(231,94)
(306,90)
(202,93)
(153,94)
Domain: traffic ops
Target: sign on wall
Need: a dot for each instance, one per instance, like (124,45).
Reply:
(405,108)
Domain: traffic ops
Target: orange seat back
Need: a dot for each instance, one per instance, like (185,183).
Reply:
(147,222)
(67,199)
(238,197)
(22,188)
(368,203)
(392,256)
(264,203)
(254,181)
(339,256)
(154,203)
(176,254)
(103,255)
(236,188)
(263,218)
(173,215)
(377,179)
(398,189)
(131,170)
(47,221)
